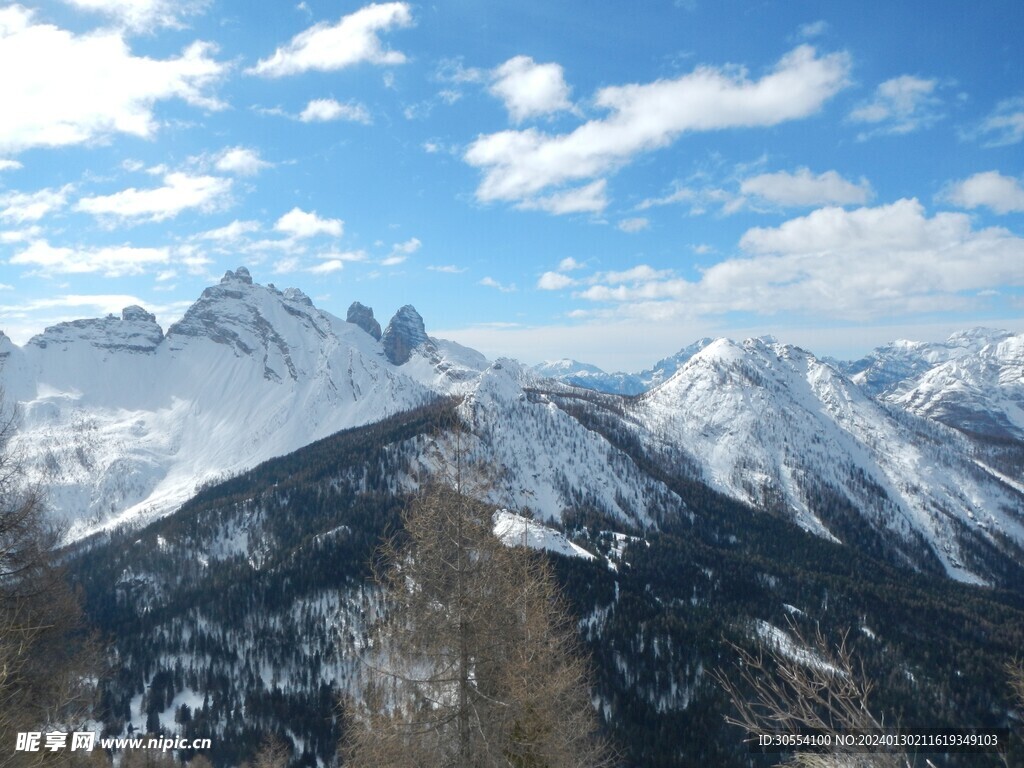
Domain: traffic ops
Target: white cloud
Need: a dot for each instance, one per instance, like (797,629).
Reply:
(115,261)
(232,232)
(72,88)
(300,224)
(679,195)
(900,105)
(359,255)
(9,165)
(326,47)
(325,110)
(401,251)
(813,29)
(181,191)
(241,160)
(20,235)
(327,267)
(448,269)
(587,199)
(490,282)
(554,281)
(634,225)
(529,89)
(1005,125)
(20,207)
(803,188)
(142,14)
(1003,194)
(568,264)
(519,164)
(854,265)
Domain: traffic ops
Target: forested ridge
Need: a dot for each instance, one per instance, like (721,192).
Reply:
(242,614)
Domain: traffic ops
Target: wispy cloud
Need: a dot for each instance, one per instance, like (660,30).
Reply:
(116,261)
(901,105)
(180,191)
(1004,126)
(143,15)
(490,282)
(21,207)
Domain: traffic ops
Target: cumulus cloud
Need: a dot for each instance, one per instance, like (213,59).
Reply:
(529,89)
(9,165)
(70,88)
(849,264)
(242,161)
(1005,125)
(326,110)
(328,47)
(181,191)
(142,14)
(900,105)
(301,224)
(115,261)
(519,164)
(21,207)
(803,188)
(1003,194)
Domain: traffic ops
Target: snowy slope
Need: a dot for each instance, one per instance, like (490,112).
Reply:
(121,421)
(980,391)
(776,427)
(885,370)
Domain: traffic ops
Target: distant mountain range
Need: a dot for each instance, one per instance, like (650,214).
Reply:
(917,445)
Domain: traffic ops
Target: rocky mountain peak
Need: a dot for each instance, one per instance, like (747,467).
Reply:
(404,333)
(240,275)
(362,315)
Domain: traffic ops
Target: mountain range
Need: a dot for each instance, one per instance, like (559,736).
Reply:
(915,446)
(227,482)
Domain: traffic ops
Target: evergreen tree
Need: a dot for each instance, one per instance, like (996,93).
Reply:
(475,662)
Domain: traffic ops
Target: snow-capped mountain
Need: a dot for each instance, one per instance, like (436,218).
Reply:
(119,420)
(883,370)
(772,425)
(123,423)
(588,376)
(979,392)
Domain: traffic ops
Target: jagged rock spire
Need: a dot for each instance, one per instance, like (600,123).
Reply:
(362,315)
(404,333)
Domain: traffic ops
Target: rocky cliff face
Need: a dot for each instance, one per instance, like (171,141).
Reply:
(362,315)
(404,333)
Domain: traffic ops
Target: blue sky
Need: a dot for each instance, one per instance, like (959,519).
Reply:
(601,180)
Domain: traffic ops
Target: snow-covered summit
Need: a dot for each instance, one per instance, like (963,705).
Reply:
(771,424)
(120,420)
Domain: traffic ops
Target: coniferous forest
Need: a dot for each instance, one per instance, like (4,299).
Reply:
(243,615)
